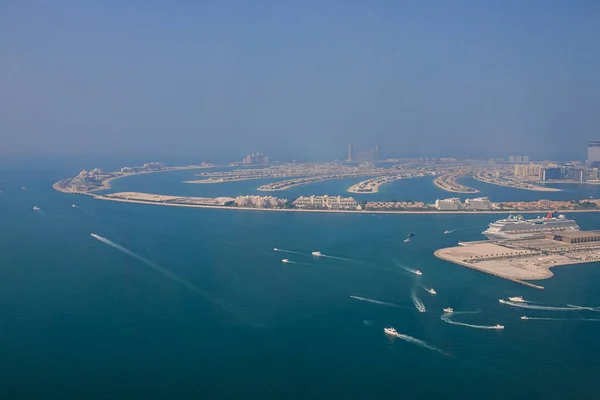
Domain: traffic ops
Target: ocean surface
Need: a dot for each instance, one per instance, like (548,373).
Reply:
(195,304)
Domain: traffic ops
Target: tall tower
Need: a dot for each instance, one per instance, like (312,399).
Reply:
(593,158)
(350,153)
(376,154)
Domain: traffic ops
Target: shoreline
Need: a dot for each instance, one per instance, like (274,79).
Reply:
(106,182)
(375,187)
(453,191)
(534,189)
(466,212)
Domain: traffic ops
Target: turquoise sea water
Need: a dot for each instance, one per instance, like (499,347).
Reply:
(82,319)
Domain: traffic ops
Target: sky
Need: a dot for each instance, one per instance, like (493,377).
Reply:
(300,78)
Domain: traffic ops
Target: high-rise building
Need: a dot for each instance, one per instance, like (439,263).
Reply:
(350,153)
(376,154)
(511,158)
(593,158)
(518,159)
(256,158)
(525,158)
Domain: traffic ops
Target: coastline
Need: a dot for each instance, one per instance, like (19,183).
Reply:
(452,191)
(106,182)
(534,189)
(466,212)
(375,187)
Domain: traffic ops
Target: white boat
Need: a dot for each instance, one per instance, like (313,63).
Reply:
(36,208)
(446,232)
(517,299)
(498,326)
(432,291)
(406,240)
(316,253)
(502,301)
(524,317)
(73,205)
(417,272)
(390,331)
(275,249)
(448,310)
(285,260)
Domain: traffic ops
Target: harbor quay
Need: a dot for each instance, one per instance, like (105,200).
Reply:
(528,259)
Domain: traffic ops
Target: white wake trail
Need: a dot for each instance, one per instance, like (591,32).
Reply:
(549,308)
(156,267)
(420,343)
(416,301)
(447,318)
(559,319)
(383,303)
(288,251)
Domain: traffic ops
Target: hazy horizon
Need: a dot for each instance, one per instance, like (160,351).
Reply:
(300,79)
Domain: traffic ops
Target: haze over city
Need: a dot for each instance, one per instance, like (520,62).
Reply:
(300,79)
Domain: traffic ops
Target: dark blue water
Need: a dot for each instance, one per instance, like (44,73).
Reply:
(81,319)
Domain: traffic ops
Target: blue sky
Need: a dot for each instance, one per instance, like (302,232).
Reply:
(430,78)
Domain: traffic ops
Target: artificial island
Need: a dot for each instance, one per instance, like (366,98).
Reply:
(516,259)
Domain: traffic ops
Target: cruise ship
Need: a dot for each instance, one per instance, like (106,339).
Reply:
(516,227)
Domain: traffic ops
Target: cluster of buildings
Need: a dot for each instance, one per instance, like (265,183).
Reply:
(397,205)
(259,202)
(518,159)
(256,159)
(528,171)
(151,166)
(453,204)
(370,155)
(326,203)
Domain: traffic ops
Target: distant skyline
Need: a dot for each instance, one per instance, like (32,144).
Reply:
(304,79)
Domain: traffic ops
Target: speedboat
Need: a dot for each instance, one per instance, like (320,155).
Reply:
(524,317)
(316,253)
(417,272)
(406,240)
(502,301)
(446,232)
(36,208)
(498,326)
(390,331)
(275,249)
(432,291)
(73,205)
(285,260)
(448,310)
(517,299)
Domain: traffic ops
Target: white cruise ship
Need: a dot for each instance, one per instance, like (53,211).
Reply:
(516,227)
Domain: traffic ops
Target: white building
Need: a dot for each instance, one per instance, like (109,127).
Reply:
(448,204)
(478,203)
(326,202)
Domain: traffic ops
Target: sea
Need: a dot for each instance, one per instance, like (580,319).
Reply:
(185,303)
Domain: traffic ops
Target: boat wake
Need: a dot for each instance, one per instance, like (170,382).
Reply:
(539,306)
(429,290)
(412,271)
(446,317)
(382,303)
(154,266)
(420,343)
(288,251)
(416,301)
(559,319)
